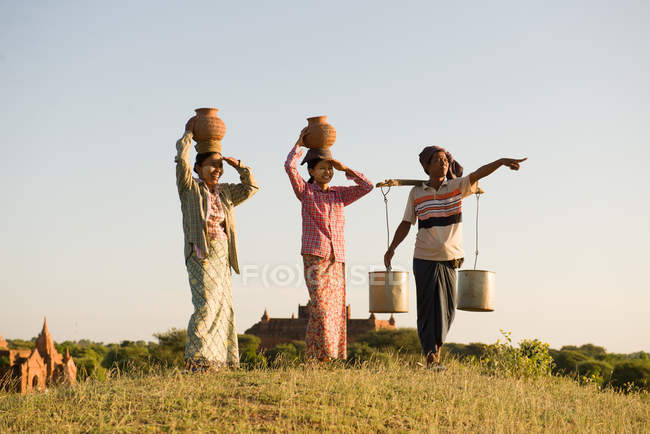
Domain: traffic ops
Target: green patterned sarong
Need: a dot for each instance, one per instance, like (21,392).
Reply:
(211,334)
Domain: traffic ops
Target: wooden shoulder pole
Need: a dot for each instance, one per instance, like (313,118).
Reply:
(405,182)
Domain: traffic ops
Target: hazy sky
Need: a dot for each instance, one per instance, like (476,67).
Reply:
(93,96)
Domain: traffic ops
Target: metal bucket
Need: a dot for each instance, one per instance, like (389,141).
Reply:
(476,290)
(388,291)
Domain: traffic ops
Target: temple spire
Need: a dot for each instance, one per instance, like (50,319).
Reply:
(46,332)
(44,342)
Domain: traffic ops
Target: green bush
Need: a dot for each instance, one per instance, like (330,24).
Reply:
(89,364)
(567,361)
(300,348)
(531,359)
(589,350)
(77,349)
(248,343)
(249,357)
(594,371)
(20,344)
(399,341)
(252,360)
(282,355)
(631,375)
(360,353)
(170,350)
(127,357)
(640,355)
(474,351)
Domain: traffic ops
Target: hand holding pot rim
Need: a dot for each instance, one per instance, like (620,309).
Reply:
(300,142)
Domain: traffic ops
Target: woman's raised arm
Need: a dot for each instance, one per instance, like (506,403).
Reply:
(355,192)
(248,185)
(183,170)
(290,166)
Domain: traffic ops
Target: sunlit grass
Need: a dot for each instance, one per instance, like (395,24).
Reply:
(392,396)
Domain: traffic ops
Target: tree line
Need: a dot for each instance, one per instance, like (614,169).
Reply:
(587,363)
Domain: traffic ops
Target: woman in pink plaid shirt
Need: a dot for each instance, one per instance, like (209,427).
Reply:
(323,246)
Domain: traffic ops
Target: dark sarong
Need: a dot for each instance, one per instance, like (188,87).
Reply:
(435,284)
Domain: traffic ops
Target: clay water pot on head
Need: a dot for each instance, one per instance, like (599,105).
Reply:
(319,133)
(208,130)
(476,290)
(388,291)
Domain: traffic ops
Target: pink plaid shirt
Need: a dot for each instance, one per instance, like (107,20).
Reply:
(323,219)
(216,216)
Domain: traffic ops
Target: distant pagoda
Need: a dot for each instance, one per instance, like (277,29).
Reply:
(38,368)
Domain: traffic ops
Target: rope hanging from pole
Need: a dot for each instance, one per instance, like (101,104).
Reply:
(386,205)
(478,196)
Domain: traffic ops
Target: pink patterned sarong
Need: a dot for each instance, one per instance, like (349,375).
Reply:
(327,327)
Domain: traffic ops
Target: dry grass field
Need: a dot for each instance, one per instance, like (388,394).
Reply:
(397,397)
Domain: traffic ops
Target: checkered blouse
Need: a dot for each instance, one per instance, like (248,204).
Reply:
(323,218)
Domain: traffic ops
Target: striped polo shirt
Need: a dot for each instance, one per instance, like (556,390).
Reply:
(439,216)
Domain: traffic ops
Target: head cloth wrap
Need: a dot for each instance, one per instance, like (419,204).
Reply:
(455,169)
(316,153)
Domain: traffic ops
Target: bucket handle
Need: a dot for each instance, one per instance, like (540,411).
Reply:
(387,228)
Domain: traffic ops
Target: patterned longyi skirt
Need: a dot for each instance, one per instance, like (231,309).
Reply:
(211,333)
(326,336)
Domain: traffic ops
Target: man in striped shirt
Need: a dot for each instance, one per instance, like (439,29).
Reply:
(436,206)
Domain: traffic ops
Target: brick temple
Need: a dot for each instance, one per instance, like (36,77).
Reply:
(274,331)
(27,370)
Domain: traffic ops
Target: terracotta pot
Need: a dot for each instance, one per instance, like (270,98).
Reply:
(319,134)
(208,130)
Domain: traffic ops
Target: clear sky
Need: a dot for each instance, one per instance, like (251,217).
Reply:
(93,96)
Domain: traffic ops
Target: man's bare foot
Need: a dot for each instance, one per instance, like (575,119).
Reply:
(433,358)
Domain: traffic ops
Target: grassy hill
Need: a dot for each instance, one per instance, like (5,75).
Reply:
(394,397)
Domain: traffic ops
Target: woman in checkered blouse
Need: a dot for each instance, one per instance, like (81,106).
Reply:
(323,246)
